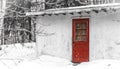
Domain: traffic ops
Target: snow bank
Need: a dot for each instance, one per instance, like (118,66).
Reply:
(100,64)
(12,58)
(50,62)
(47,58)
(14,51)
(45,62)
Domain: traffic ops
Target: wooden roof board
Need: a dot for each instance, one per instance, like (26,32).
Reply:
(76,9)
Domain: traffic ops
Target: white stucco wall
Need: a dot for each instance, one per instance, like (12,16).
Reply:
(58,40)
(104,35)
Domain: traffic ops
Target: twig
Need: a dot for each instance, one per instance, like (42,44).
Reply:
(6,65)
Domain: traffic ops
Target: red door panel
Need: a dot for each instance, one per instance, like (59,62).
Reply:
(80,51)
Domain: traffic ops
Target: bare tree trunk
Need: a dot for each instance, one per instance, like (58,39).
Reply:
(2,13)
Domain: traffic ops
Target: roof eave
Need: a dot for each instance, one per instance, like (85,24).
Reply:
(76,9)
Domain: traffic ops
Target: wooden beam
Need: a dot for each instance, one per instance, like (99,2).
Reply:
(56,14)
(50,14)
(43,15)
(104,9)
(64,13)
(36,15)
(88,12)
(72,13)
(96,11)
(79,12)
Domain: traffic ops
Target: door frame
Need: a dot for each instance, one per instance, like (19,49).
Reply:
(88,34)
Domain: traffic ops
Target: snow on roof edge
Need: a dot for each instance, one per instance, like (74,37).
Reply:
(74,9)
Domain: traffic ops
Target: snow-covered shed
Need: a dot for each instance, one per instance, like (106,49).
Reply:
(79,34)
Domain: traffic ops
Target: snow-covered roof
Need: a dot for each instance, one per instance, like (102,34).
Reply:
(77,9)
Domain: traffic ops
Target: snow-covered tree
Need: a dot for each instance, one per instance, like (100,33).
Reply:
(17,26)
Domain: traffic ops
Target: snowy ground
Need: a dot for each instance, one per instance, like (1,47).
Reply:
(23,57)
(49,62)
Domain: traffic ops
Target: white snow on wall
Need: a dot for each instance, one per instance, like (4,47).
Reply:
(104,35)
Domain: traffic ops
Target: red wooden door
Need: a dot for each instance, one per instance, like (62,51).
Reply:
(80,51)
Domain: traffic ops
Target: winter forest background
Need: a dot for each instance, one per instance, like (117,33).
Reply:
(17,28)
